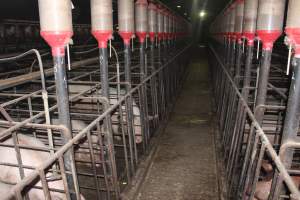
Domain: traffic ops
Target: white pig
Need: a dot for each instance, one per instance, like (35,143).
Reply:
(73,89)
(263,187)
(30,158)
(4,189)
(83,154)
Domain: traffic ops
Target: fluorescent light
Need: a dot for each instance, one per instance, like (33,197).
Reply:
(202,14)
(179,6)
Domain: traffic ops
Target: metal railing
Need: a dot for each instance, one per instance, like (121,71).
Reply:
(247,148)
(105,169)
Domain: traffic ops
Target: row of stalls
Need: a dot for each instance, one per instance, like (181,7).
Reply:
(78,121)
(21,35)
(256,77)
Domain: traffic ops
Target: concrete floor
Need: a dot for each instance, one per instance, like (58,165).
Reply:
(184,167)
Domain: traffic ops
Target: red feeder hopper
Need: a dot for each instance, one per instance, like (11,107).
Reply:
(270,22)
(57,41)
(250,18)
(126,20)
(160,21)
(141,19)
(152,21)
(102,21)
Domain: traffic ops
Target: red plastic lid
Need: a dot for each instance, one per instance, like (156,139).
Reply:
(102,37)
(268,38)
(142,36)
(250,36)
(126,37)
(57,41)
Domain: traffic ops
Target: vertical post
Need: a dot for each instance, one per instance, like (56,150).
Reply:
(232,37)
(57,32)
(103,57)
(153,30)
(263,85)
(154,85)
(141,27)
(247,75)
(143,96)
(102,29)
(160,38)
(126,31)
(292,117)
(238,29)
(291,122)
(269,28)
(238,63)
(127,64)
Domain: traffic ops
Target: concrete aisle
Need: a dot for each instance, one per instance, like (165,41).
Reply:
(184,167)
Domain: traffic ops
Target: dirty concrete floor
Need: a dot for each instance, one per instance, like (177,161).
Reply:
(184,167)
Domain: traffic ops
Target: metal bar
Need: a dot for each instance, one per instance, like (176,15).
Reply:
(142,94)
(63,112)
(69,145)
(128,105)
(238,62)
(11,82)
(260,133)
(247,76)
(291,122)
(264,71)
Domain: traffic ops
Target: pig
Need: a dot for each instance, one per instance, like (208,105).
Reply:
(263,187)
(73,89)
(82,155)
(29,158)
(4,189)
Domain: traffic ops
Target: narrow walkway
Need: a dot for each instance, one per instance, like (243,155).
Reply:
(184,167)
